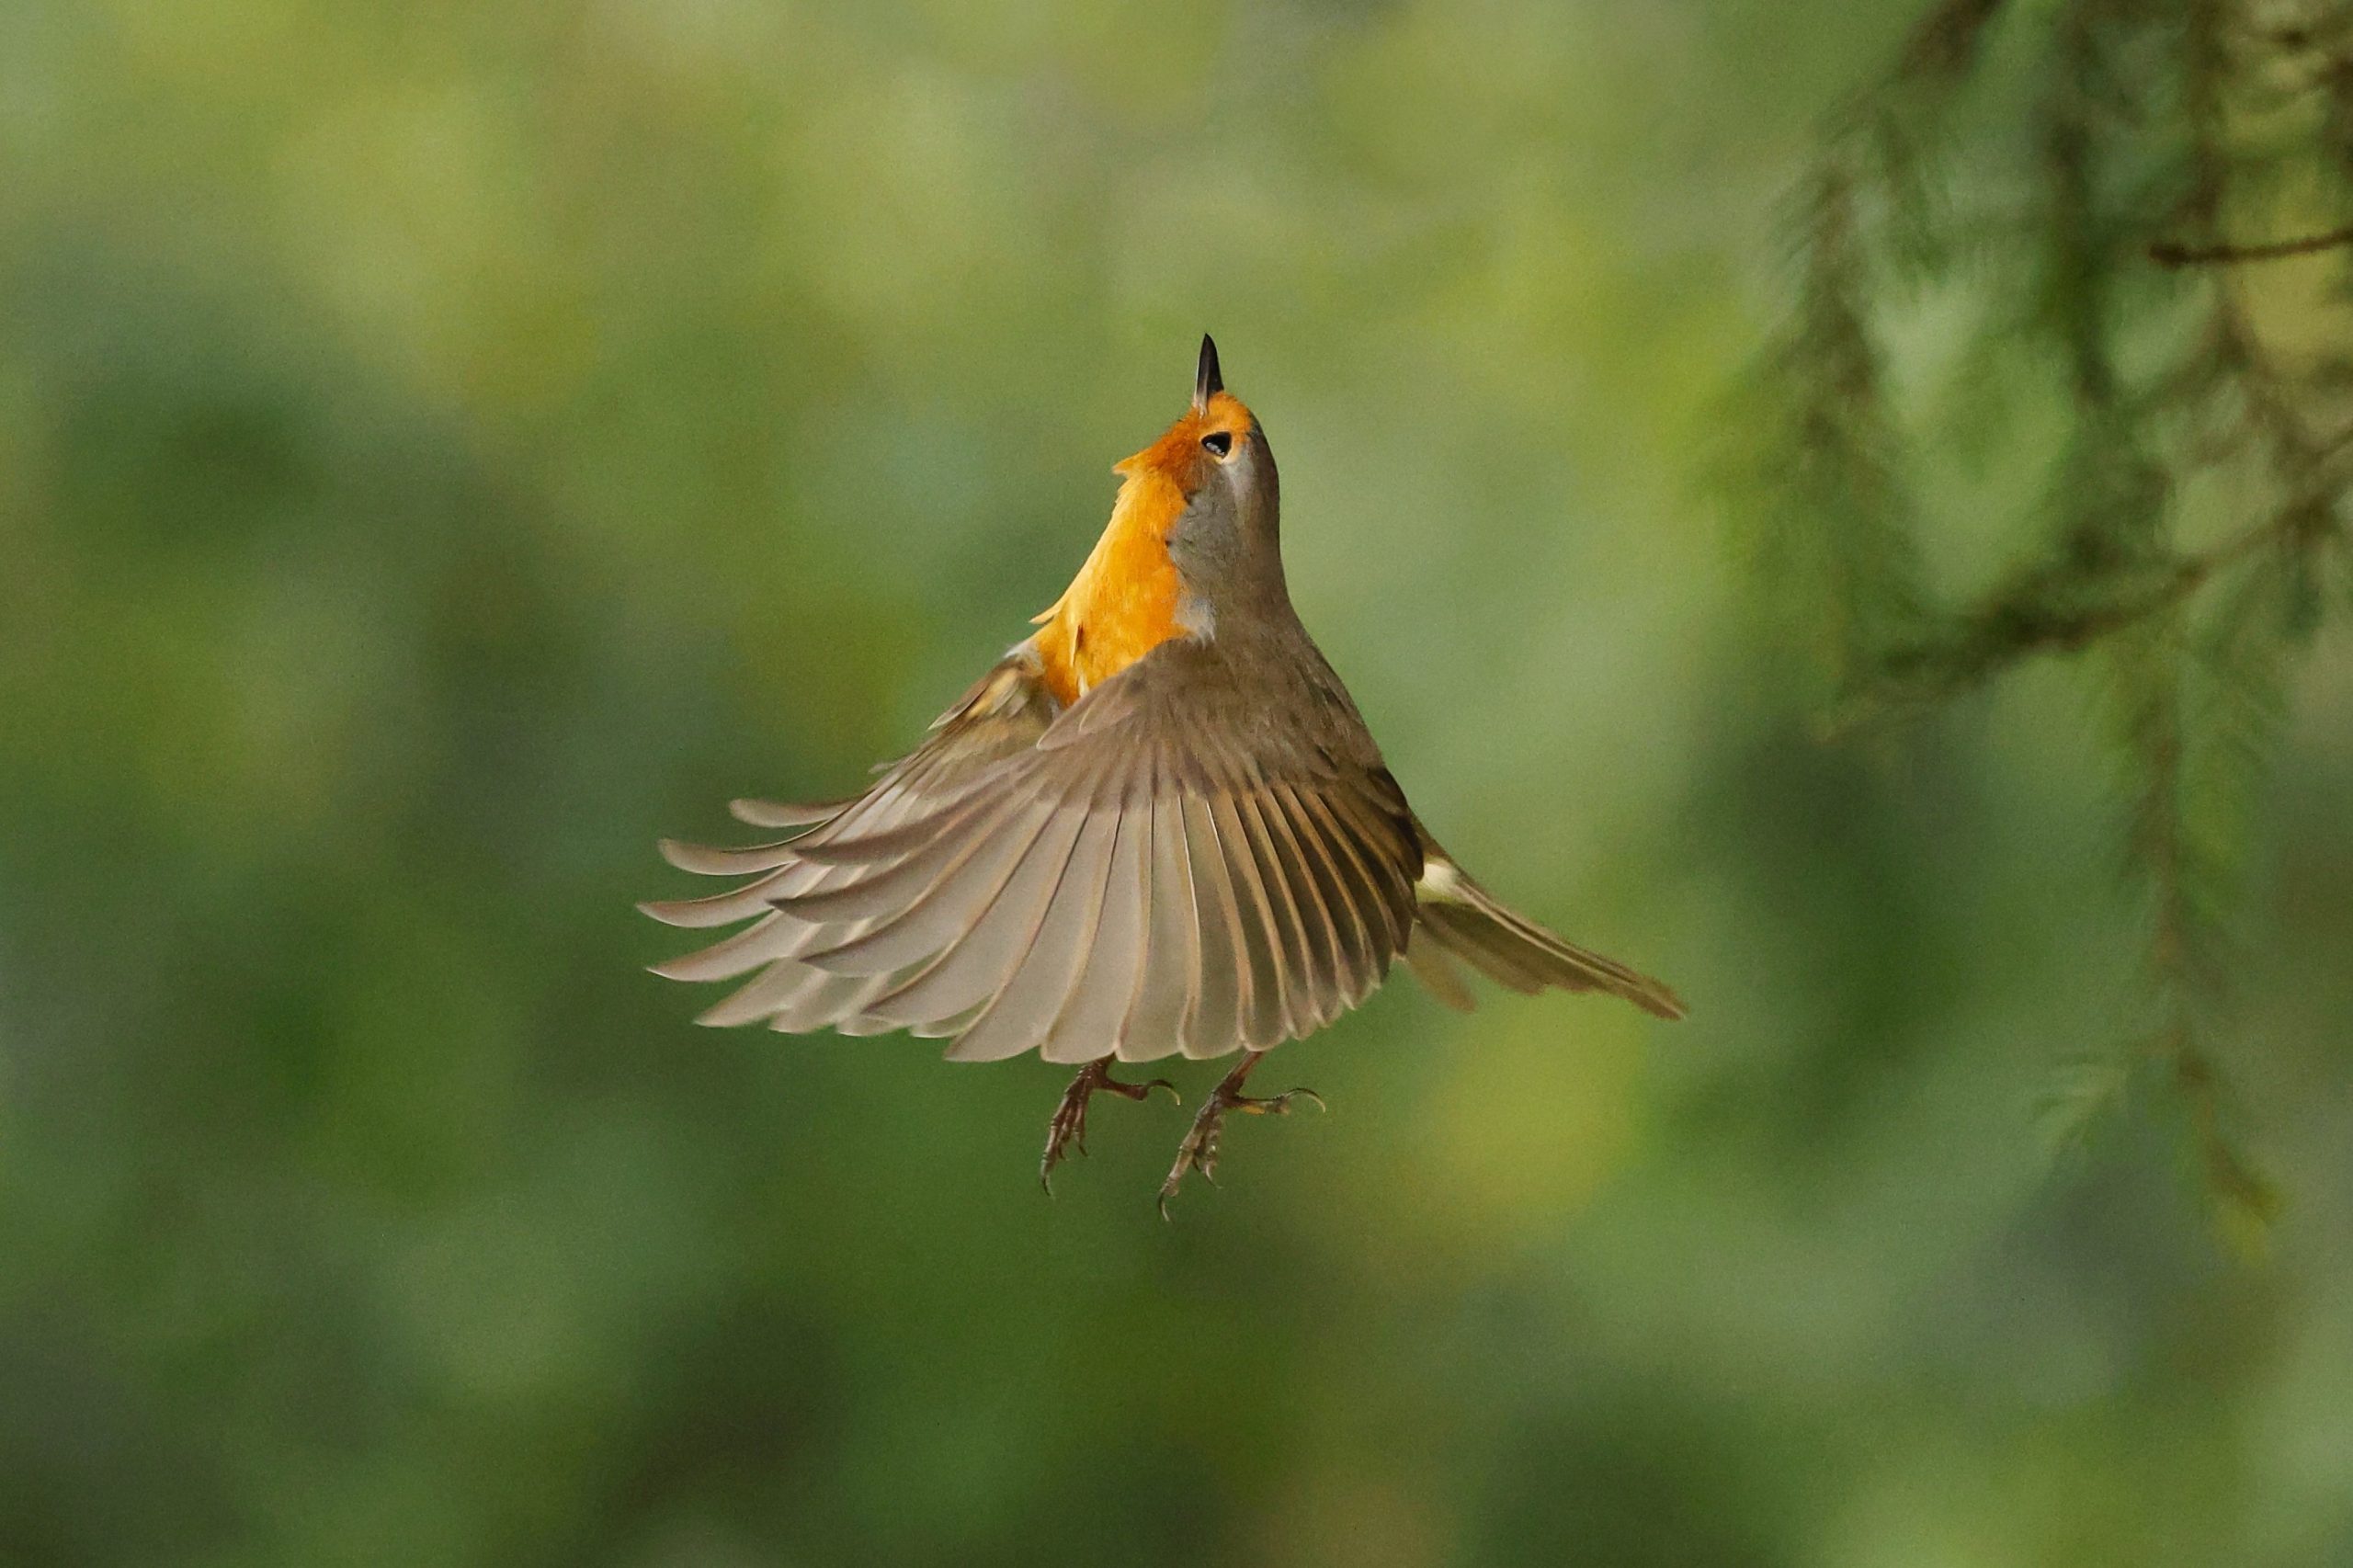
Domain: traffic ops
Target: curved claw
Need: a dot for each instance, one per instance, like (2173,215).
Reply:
(1199,1151)
(1054,1156)
(1066,1132)
(1046,1169)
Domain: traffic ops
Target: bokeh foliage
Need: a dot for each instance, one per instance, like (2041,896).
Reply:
(2041,174)
(443,447)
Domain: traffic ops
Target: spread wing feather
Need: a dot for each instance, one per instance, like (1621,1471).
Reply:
(1111,948)
(787,814)
(1168,986)
(1138,874)
(1221,1006)
(1176,863)
(1355,962)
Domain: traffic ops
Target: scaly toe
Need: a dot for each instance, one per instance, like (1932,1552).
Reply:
(1198,1152)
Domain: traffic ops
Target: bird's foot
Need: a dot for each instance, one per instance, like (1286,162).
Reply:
(1199,1151)
(1067,1131)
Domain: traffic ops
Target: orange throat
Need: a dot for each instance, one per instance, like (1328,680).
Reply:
(1127,599)
(1123,603)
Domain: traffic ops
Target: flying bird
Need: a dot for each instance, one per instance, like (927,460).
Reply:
(1157,826)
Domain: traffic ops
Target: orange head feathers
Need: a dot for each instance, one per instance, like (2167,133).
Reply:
(1208,433)
(1129,597)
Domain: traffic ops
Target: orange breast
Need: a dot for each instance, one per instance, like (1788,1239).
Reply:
(1123,602)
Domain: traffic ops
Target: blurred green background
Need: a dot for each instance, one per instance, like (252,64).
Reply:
(444,446)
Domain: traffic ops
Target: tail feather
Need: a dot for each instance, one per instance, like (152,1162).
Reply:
(1462,918)
(1426,956)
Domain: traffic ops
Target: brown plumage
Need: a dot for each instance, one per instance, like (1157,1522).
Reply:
(1158,827)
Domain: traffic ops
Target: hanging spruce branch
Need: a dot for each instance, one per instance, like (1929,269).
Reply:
(2128,198)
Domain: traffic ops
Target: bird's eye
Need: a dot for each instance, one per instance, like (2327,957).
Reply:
(1217,443)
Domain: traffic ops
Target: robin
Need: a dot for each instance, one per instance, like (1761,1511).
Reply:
(1158,825)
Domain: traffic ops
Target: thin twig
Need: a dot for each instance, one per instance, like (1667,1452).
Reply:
(2167,253)
(2010,628)
(1943,44)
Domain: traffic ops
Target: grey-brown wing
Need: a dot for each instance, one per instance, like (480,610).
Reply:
(1166,868)
(1003,714)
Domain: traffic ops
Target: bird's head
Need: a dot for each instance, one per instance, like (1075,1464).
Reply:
(1216,475)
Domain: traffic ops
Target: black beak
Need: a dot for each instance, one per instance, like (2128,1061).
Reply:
(1207,382)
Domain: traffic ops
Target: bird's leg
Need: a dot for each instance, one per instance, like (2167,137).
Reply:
(1067,1131)
(1199,1151)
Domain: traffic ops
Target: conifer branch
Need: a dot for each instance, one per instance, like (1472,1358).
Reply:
(1943,44)
(2167,253)
(2047,612)
(2137,105)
